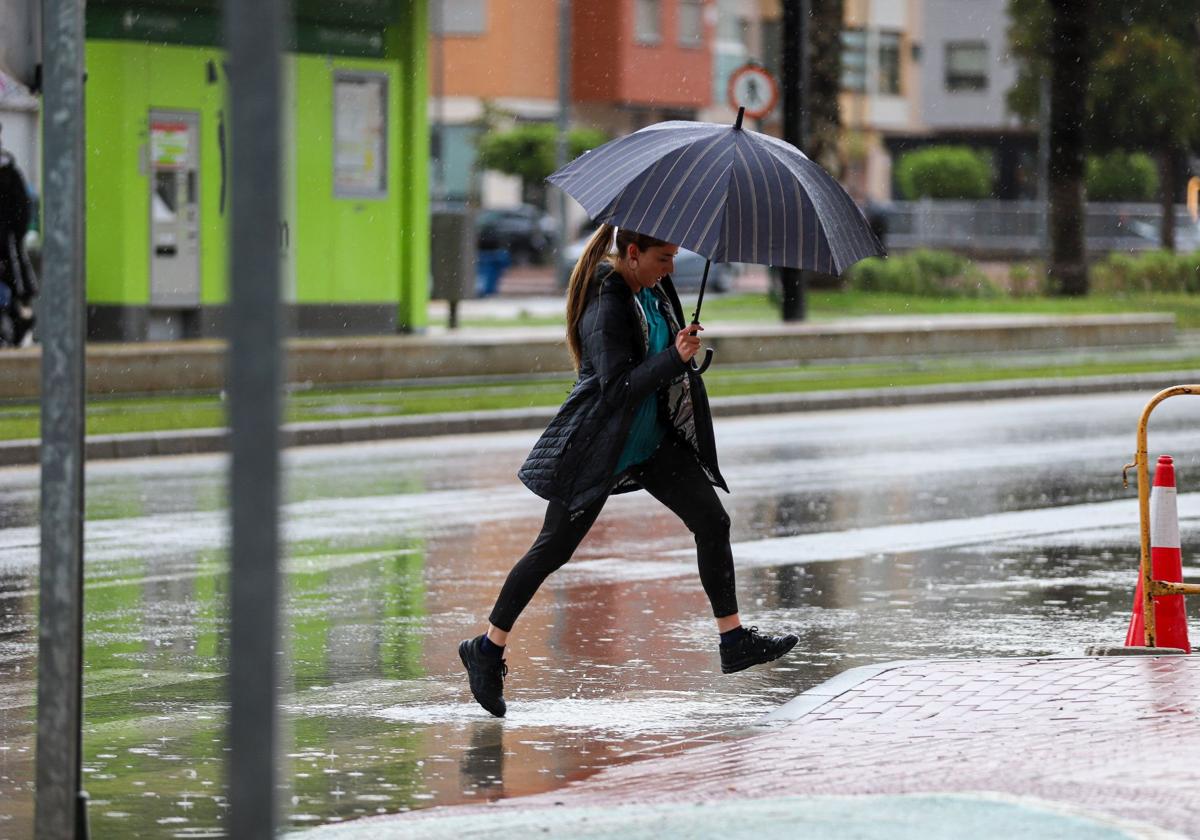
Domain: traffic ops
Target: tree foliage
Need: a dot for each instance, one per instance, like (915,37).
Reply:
(1121,176)
(1145,56)
(951,172)
(1128,82)
(1144,93)
(528,149)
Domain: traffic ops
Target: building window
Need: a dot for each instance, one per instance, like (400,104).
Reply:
(647,21)
(889,63)
(966,65)
(360,135)
(732,28)
(458,17)
(854,60)
(691,23)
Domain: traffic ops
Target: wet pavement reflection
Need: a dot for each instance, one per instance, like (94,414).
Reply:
(395,552)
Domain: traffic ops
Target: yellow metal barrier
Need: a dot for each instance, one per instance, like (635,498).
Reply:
(1150,586)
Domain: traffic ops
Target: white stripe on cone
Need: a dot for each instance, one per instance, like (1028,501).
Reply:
(1164,518)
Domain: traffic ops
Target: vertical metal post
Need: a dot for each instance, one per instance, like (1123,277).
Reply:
(437,20)
(60,809)
(561,150)
(795,125)
(254,38)
(1043,167)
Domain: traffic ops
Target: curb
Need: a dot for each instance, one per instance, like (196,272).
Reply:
(207,441)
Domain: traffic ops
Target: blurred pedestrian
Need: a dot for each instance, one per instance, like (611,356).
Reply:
(635,419)
(17,277)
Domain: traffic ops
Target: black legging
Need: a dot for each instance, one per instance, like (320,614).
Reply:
(672,476)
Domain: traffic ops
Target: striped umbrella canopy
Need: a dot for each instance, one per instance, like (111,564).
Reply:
(725,192)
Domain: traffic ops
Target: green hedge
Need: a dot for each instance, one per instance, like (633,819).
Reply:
(1149,271)
(1122,177)
(924,273)
(949,172)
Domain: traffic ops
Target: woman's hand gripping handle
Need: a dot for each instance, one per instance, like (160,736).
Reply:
(687,342)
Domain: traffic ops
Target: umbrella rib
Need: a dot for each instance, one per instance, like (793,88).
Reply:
(737,186)
(600,176)
(783,205)
(827,193)
(771,210)
(630,162)
(753,206)
(722,211)
(657,190)
(719,208)
(681,184)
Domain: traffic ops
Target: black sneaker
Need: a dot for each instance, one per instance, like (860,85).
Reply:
(487,675)
(753,649)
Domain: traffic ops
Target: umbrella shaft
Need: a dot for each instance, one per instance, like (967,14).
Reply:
(700,298)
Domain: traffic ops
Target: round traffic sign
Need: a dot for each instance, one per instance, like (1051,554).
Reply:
(753,88)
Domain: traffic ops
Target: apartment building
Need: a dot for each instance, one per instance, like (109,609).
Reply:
(914,73)
(633,63)
(964,72)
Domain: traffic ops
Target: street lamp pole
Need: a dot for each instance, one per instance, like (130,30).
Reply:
(561,149)
(60,809)
(254,38)
(795,128)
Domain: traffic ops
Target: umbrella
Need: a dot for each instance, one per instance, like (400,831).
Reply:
(727,193)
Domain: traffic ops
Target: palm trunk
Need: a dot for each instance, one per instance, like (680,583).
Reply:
(1070,68)
(1166,178)
(824,85)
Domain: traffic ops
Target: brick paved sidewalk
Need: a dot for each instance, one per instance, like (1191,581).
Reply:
(1084,747)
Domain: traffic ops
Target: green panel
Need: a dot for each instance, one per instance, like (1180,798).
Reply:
(118,201)
(164,26)
(351,250)
(407,42)
(348,12)
(346,248)
(194,26)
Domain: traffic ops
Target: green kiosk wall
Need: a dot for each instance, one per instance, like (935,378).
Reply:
(354,240)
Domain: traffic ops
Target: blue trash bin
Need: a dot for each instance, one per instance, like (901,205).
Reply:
(490,267)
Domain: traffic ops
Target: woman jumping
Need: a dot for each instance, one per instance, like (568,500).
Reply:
(635,420)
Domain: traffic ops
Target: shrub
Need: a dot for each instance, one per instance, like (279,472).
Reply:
(1120,176)
(1150,271)
(944,172)
(1026,280)
(923,273)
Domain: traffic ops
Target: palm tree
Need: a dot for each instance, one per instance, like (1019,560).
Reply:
(1070,68)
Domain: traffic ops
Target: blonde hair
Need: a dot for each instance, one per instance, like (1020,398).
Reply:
(596,250)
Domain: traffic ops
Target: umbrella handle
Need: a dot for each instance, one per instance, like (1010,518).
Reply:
(703,366)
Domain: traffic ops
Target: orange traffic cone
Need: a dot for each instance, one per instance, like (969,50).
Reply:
(1166,564)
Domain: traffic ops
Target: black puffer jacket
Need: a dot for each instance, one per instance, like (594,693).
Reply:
(574,461)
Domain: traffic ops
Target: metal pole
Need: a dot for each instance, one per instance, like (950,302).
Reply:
(1141,460)
(60,811)
(1043,167)
(254,38)
(438,25)
(561,149)
(795,123)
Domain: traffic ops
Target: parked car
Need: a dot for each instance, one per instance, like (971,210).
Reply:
(689,269)
(1187,234)
(526,232)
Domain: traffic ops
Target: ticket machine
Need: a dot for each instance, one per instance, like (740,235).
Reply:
(174,178)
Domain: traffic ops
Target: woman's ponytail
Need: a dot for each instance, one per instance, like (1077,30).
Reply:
(577,289)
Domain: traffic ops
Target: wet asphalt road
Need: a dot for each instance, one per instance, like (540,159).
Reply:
(992,529)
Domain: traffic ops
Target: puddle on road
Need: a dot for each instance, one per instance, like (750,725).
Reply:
(379,719)
(615,656)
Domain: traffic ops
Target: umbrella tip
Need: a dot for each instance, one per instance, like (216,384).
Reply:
(737,126)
